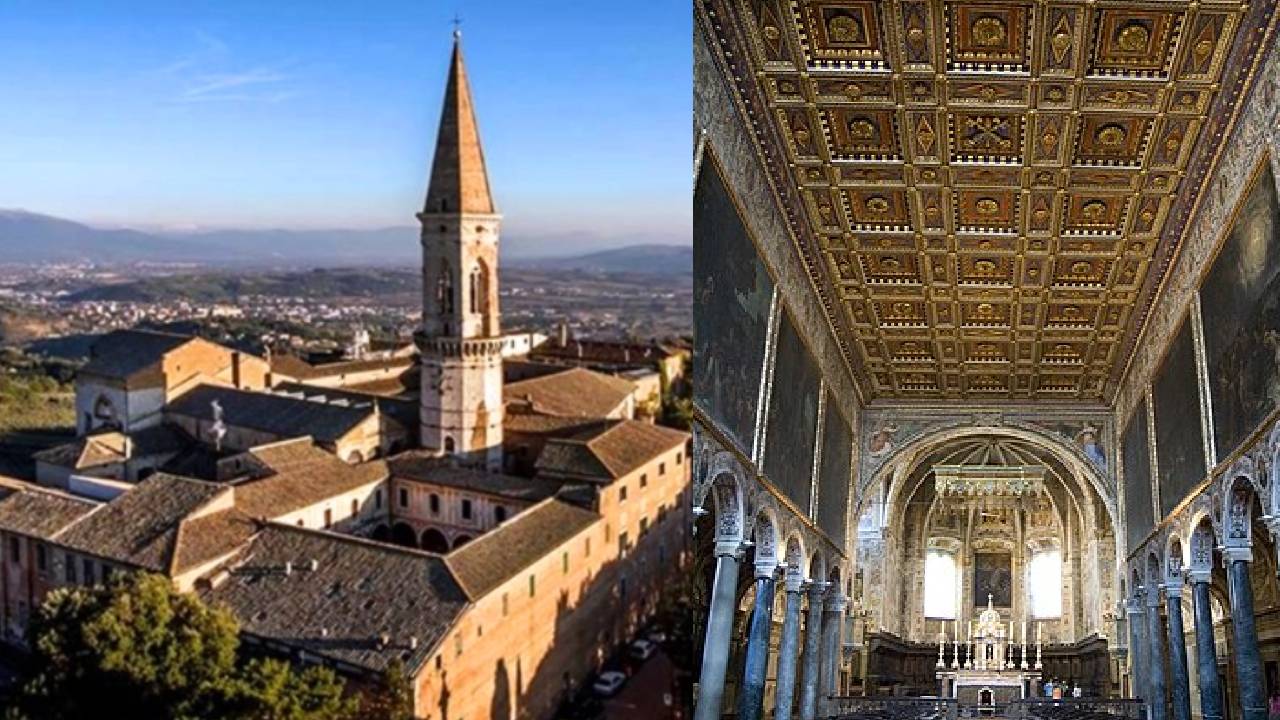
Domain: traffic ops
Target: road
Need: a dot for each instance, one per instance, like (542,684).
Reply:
(642,697)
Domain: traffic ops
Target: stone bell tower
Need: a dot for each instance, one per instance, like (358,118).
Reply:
(460,341)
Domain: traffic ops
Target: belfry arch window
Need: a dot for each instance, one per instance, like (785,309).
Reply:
(940,585)
(444,288)
(1044,584)
(475,289)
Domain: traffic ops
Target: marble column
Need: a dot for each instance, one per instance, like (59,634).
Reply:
(1156,700)
(715,650)
(1206,652)
(1179,679)
(1249,677)
(832,625)
(788,649)
(1137,647)
(812,651)
(751,695)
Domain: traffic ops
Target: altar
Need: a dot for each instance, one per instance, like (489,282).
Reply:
(988,671)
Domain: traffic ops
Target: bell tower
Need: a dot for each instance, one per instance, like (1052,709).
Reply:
(460,341)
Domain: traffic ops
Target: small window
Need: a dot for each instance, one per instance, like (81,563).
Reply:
(662,468)
(533,586)
(355,507)
(564,562)
(505,605)
(499,514)
(15,552)
(448,442)
(106,573)
(404,497)
(466,509)
(301,523)
(42,560)
(622,494)
(377,499)
(624,544)
(87,565)
(679,457)
(328,518)
(433,502)
(457,645)
(69,568)
(644,526)
(644,480)
(587,551)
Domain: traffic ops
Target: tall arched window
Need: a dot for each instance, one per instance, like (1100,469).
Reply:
(1044,584)
(474,290)
(444,288)
(940,585)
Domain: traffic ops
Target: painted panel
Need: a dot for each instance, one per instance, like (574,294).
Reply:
(834,479)
(793,417)
(993,575)
(1139,520)
(732,293)
(1240,300)
(1176,402)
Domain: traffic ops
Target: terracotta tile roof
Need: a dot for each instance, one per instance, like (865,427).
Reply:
(606,352)
(39,512)
(536,424)
(140,527)
(576,392)
(279,415)
(502,553)
(609,452)
(208,537)
(124,354)
(423,467)
(358,593)
(298,475)
(105,448)
(295,367)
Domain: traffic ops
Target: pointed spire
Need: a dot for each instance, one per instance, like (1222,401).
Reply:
(459,182)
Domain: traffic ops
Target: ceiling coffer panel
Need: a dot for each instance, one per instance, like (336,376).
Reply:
(983,187)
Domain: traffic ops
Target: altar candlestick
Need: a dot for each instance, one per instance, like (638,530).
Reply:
(942,643)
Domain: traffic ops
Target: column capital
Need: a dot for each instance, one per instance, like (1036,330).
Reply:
(729,548)
(1133,607)
(1200,575)
(766,569)
(817,590)
(1234,553)
(1173,589)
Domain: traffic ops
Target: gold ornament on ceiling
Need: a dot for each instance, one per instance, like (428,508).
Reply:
(843,28)
(877,205)
(771,33)
(1133,37)
(853,91)
(1111,136)
(1061,40)
(1093,211)
(988,31)
(987,207)
(925,135)
(862,129)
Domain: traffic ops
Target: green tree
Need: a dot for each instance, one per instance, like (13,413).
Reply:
(393,700)
(143,650)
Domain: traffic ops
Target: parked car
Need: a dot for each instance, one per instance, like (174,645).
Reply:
(609,683)
(641,649)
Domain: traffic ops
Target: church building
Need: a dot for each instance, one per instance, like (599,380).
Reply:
(987,358)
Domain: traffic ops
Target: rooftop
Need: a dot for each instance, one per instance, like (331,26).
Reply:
(576,392)
(124,354)
(421,466)
(297,475)
(340,597)
(500,554)
(279,415)
(609,451)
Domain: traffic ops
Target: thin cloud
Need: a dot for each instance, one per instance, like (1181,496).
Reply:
(216,84)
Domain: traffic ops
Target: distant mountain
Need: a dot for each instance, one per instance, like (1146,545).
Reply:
(27,237)
(657,259)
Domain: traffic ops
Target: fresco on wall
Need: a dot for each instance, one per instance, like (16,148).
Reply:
(833,473)
(732,292)
(793,417)
(1176,403)
(992,575)
(1139,517)
(885,432)
(1085,434)
(1240,301)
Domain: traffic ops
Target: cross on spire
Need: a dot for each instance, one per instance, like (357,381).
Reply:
(457,26)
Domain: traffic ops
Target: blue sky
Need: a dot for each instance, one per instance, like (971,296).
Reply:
(245,113)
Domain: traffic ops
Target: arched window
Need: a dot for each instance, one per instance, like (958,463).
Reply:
(444,288)
(448,444)
(1044,584)
(475,287)
(940,585)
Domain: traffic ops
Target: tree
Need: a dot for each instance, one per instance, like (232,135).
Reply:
(392,700)
(141,649)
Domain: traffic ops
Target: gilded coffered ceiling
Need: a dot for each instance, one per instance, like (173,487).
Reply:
(987,195)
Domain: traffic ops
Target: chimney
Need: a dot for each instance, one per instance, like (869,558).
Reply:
(288,568)
(313,565)
(413,642)
(564,333)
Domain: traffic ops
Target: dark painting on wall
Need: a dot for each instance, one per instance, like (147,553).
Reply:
(793,417)
(1240,300)
(732,293)
(1139,516)
(834,480)
(1176,405)
(993,576)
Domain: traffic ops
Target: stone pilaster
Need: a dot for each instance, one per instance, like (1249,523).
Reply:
(1179,679)
(715,650)
(1249,676)
(1206,652)
(751,696)
(788,650)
